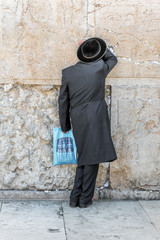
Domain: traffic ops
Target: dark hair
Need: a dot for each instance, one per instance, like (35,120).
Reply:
(91,48)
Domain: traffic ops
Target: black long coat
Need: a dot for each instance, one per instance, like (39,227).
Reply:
(82,108)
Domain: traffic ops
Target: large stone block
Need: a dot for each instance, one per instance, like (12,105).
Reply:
(27,117)
(132,29)
(136,134)
(39,38)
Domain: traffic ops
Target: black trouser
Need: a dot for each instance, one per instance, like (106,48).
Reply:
(84,183)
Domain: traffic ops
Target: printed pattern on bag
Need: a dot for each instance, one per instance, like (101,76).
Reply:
(64,145)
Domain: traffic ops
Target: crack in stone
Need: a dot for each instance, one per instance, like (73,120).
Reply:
(87,5)
(1,206)
(70,37)
(149,219)
(141,62)
(119,33)
(65,229)
(142,108)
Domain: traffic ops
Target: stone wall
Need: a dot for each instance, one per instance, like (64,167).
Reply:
(28,114)
(136,131)
(38,39)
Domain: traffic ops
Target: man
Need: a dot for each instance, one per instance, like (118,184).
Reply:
(82,100)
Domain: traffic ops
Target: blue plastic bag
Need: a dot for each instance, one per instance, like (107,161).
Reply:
(64,147)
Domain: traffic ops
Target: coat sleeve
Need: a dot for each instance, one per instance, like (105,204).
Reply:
(64,104)
(110,60)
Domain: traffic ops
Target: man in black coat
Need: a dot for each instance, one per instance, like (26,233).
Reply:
(82,104)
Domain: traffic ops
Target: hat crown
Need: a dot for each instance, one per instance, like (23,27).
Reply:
(91,48)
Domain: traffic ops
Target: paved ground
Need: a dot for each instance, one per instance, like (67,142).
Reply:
(104,219)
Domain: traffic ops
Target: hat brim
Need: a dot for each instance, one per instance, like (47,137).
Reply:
(96,58)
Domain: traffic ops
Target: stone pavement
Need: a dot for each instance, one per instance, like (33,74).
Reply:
(104,219)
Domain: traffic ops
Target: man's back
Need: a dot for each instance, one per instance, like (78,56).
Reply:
(85,81)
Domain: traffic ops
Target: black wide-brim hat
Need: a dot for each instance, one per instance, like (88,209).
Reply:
(92,49)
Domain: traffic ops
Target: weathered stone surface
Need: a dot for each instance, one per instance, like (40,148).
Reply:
(99,193)
(134,194)
(27,117)
(8,178)
(136,134)
(36,36)
(32,220)
(39,38)
(110,220)
(131,28)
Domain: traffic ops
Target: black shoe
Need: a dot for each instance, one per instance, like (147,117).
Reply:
(73,204)
(82,205)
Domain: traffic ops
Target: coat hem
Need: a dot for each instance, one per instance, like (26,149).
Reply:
(97,162)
